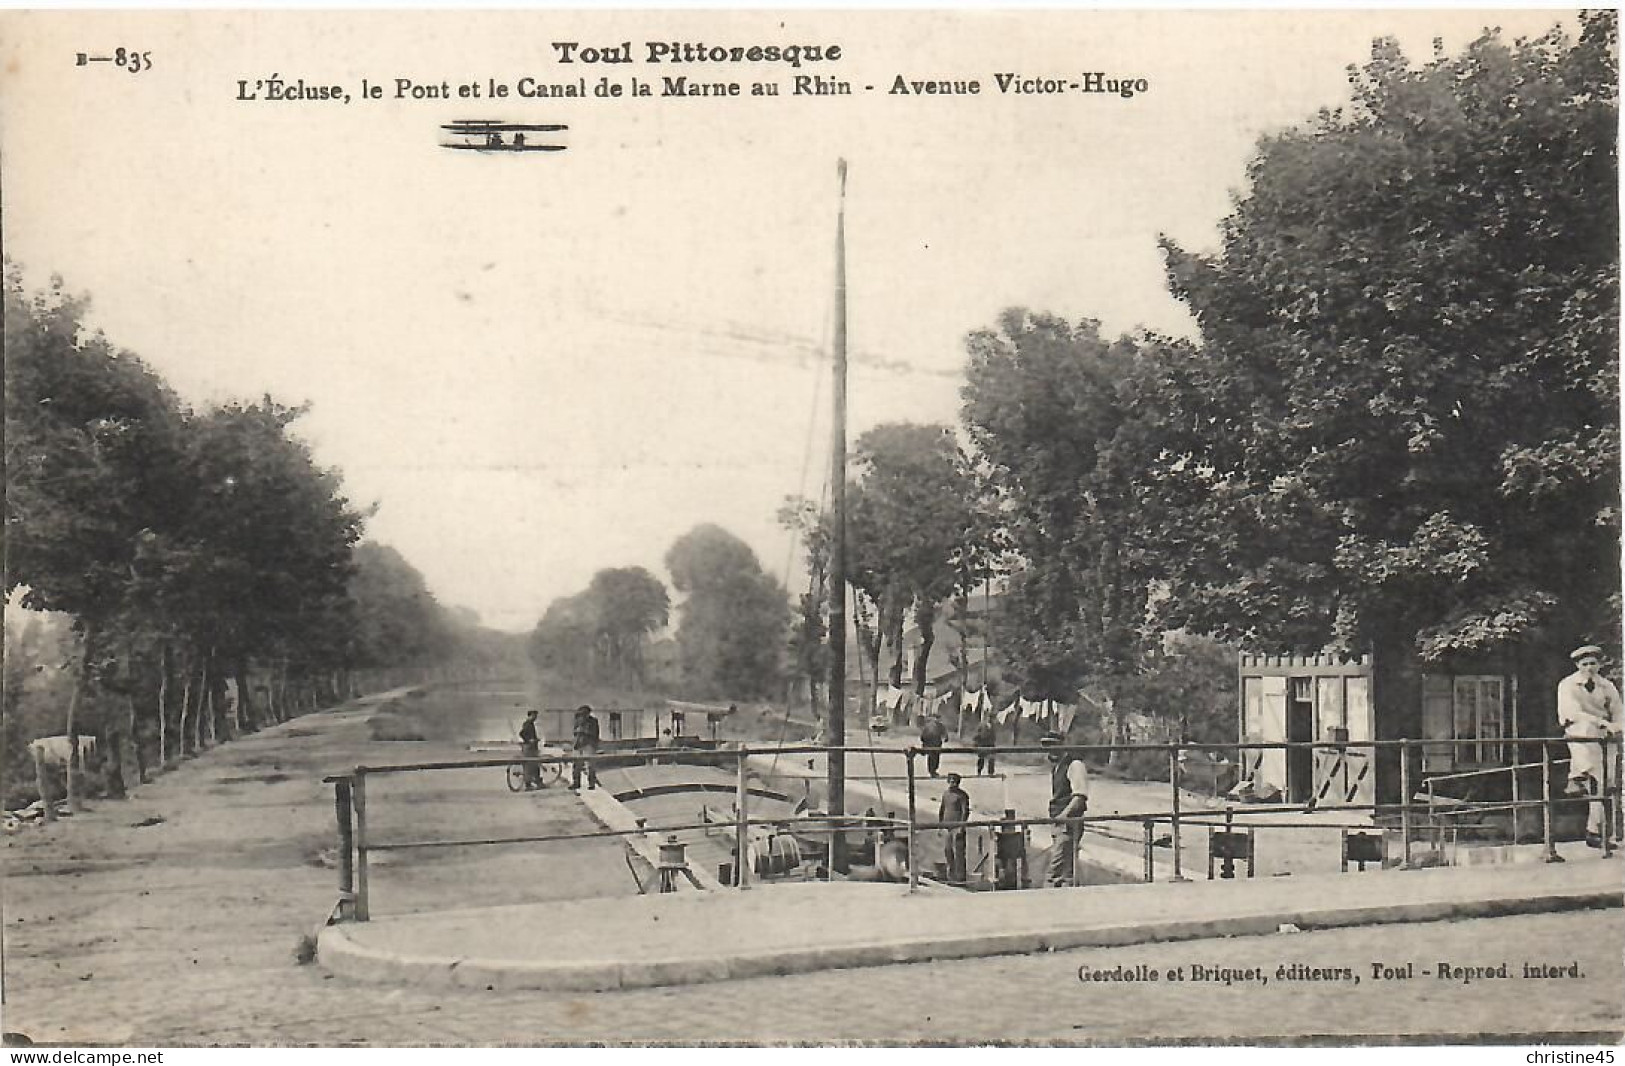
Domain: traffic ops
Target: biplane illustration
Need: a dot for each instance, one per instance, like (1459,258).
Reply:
(481,135)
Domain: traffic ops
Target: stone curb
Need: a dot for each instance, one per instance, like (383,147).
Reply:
(340,954)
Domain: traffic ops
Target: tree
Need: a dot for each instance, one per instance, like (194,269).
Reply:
(1401,430)
(1044,406)
(733,618)
(564,638)
(808,647)
(632,607)
(91,448)
(1189,682)
(914,526)
(601,633)
(397,619)
(260,559)
(156,529)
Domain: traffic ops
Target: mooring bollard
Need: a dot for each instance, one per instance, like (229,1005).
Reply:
(673,863)
(1010,854)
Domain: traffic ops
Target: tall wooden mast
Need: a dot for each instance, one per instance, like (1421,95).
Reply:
(835,766)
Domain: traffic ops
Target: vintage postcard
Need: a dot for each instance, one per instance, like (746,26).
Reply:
(785,527)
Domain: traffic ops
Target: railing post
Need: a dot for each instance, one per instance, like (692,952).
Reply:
(1173,779)
(742,825)
(1227,868)
(342,811)
(913,821)
(1434,822)
(1150,855)
(1517,794)
(1405,805)
(1546,802)
(358,799)
(1619,780)
(1606,820)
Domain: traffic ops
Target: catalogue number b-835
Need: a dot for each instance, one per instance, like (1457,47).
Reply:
(128,58)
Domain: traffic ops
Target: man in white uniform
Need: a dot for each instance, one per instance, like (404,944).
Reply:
(1588,708)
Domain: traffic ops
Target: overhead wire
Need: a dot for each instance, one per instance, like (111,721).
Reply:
(774,346)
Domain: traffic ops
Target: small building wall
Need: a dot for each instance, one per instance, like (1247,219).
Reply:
(1304,697)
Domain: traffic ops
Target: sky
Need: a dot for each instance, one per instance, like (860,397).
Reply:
(538,365)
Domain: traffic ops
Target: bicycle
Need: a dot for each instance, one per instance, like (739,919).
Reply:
(547,773)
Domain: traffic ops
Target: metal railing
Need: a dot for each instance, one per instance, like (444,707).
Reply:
(356,844)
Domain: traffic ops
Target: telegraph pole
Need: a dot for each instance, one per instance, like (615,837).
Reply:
(835,764)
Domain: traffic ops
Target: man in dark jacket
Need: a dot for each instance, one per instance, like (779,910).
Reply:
(932,734)
(586,743)
(530,745)
(984,740)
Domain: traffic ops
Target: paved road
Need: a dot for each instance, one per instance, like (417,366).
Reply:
(181,933)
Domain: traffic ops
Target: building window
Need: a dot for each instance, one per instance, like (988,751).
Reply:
(1479,717)
(1468,711)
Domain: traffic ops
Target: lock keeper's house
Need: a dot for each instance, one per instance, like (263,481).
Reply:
(1466,708)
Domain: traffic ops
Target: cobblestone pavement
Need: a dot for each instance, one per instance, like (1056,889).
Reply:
(181,932)
(1010,999)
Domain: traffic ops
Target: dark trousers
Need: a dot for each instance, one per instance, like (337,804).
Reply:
(592,769)
(533,771)
(954,852)
(984,761)
(933,759)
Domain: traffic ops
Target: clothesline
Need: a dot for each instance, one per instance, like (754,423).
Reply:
(971,701)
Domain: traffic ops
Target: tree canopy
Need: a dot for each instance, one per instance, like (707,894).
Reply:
(187,547)
(734,618)
(1044,406)
(1398,424)
(914,528)
(1404,413)
(601,633)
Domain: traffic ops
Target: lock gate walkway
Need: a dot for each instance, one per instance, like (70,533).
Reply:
(696,937)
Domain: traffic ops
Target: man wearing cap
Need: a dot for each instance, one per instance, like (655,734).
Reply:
(1588,708)
(1068,800)
(952,813)
(586,743)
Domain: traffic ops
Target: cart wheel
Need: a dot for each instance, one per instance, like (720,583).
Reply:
(516,778)
(550,772)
